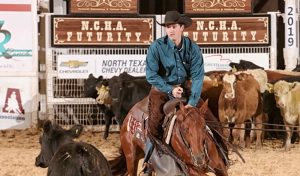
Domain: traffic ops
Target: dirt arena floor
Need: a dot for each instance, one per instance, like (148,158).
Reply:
(18,149)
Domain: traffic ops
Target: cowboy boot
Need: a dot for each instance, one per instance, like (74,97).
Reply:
(148,152)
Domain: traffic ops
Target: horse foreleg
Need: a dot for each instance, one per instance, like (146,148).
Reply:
(129,150)
(216,161)
(130,160)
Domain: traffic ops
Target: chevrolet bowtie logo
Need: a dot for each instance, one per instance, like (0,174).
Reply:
(73,64)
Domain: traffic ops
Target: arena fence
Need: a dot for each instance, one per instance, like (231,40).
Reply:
(64,102)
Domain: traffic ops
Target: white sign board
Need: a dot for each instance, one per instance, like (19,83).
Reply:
(221,61)
(17,36)
(111,65)
(16,104)
(80,66)
(75,66)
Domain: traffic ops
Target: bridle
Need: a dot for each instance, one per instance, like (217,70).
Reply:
(204,156)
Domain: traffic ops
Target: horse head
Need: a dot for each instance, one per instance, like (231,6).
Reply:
(192,131)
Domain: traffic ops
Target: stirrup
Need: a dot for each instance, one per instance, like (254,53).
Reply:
(148,151)
(145,169)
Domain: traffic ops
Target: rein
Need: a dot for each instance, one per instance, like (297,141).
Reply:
(204,154)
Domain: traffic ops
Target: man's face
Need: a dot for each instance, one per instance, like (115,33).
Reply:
(174,31)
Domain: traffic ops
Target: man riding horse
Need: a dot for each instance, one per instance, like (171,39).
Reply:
(172,62)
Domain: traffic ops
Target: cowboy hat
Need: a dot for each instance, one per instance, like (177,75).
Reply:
(174,17)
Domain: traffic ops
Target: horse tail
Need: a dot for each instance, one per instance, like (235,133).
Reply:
(117,165)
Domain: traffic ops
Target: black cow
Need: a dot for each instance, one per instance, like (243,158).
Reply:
(126,90)
(90,91)
(63,156)
(244,65)
(90,85)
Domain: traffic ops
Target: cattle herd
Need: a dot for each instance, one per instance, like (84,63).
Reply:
(250,103)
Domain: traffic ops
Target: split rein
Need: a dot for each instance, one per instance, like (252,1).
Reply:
(218,124)
(204,154)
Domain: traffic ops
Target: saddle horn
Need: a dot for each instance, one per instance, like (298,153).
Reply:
(170,106)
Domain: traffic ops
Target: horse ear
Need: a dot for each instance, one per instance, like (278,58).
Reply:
(204,107)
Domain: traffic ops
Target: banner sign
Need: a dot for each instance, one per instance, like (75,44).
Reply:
(75,66)
(252,30)
(15,102)
(80,66)
(104,6)
(111,65)
(221,61)
(87,31)
(217,6)
(16,46)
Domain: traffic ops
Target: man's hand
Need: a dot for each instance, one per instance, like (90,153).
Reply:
(177,92)
(188,106)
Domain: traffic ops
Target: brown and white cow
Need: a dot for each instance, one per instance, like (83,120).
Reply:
(239,101)
(287,96)
(211,89)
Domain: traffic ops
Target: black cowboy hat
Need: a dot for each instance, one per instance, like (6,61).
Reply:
(174,17)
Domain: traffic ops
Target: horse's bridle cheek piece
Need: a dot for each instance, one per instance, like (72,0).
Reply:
(203,155)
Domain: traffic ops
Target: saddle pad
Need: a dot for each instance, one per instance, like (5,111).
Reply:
(135,127)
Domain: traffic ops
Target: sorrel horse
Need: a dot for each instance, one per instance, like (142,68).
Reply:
(191,140)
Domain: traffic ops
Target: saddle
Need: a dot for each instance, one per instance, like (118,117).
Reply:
(140,113)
